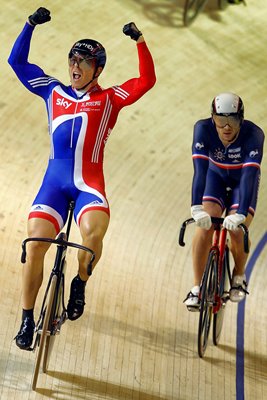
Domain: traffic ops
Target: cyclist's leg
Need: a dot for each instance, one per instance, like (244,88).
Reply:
(238,289)
(200,250)
(237,247)
(47,217)
(45,220)
(202,241)
(32,276)
(93,227)
(214,203)
(239,284)
(33,269)
(92,217)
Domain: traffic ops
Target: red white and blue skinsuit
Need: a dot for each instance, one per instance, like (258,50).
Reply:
(79,126)
(236,166)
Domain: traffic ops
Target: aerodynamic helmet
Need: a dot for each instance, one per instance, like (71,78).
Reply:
(228,104)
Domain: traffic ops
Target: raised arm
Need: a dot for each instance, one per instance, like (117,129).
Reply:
(18,58)
(135,88)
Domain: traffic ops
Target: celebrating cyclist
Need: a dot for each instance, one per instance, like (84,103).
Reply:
(81,117)
(227,152)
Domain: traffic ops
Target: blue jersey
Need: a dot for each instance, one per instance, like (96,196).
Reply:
(79,126)
(236,166)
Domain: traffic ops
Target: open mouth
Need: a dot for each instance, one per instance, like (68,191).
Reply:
(76,76)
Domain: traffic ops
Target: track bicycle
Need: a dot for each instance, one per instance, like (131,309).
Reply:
(193,7)
(215,283)
(53,312)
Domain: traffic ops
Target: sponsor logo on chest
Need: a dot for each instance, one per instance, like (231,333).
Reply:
(235,154)
(64,103)
(90,105)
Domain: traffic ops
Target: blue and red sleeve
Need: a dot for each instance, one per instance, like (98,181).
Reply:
(18,60)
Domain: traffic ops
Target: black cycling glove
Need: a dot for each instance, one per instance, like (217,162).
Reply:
(132,31)
(40,16)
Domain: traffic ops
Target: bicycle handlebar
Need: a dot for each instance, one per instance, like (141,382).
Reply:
(218,222)
(60,241)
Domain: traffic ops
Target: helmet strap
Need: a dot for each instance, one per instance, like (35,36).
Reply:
(88,83)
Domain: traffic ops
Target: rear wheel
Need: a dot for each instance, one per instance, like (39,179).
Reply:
(207,293)
(191,10)
(44,329)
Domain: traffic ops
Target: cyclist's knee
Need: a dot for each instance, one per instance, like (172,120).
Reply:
(37,249)
(204,234)
(93,235)
(39,227)
(93,226)
(237,241)
(213,209)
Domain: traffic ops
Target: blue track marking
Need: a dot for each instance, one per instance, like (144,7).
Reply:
(240,387)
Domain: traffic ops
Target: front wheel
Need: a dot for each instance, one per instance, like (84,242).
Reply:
(57,318)
(44,329)
(207,293)
(191,10)
(222,298)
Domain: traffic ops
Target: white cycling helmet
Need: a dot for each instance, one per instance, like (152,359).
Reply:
(227,104)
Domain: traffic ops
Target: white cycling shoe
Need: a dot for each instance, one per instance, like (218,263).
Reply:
(238,289)
(192,301)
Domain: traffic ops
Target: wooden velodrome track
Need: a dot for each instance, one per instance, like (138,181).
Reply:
(136,339)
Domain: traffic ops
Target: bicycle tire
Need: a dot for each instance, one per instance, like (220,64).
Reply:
(43,335)
(207,292)
(191,10)
(56,312)
(219,316)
